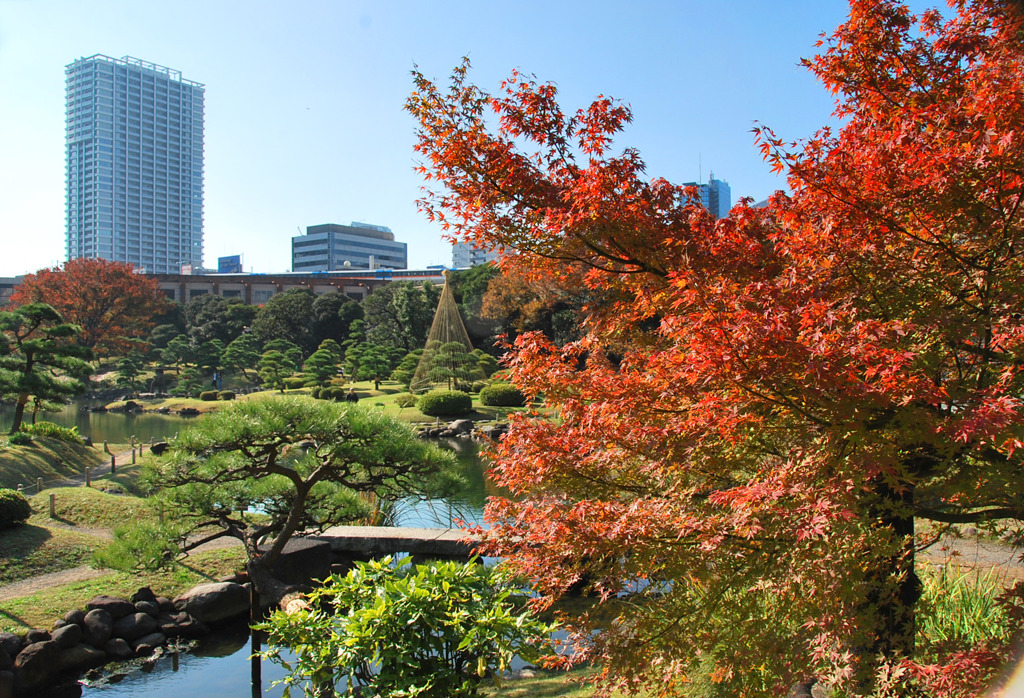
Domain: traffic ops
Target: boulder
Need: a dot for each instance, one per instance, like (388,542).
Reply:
(97,627)
(76,616)
(159,448)
(165,604)
(68,636)
(6,683)
(144,594)
(150,608)
(117,608)
(59,623)
(118,649)
(81,657)
(6,662)
(132,627)
(35,665)
(11,643)
(461,426)
(214,602)
(146,644)
(181,625)
(35,635)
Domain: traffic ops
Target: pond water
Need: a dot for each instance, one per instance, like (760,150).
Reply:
(113,427)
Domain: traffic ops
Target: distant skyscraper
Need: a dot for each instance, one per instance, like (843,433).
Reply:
(715,196)
(331,247)
(134,164)
(465,255)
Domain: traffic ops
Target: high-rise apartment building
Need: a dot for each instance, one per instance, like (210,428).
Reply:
(331,247)
(134,164)
(715,196)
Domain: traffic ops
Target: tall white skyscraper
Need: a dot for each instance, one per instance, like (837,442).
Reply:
(134,164)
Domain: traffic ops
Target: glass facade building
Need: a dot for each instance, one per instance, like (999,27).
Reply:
(465,255)
(332,247)
(715,196)
(134,139)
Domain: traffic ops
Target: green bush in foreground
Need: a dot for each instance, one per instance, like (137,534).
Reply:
(502,395)
(405,400)
(14,508)
(208,395)
(435,630)
(445,403)
(21,438)
(53,431)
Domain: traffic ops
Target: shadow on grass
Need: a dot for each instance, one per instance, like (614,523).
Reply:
(23,540)
(17,619)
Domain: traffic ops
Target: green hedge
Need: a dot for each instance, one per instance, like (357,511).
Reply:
(208,395)
(445,403)
(405,400)
(53,431)
(502,395)
(226,395)
(14,508)
(294,382)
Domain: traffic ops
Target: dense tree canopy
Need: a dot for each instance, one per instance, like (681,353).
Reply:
(109,301)
(399,314)
(761,407)
(39,358)
(212,317)
(289,316)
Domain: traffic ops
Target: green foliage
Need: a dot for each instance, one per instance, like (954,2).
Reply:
(405,400)
(139,546)
(178,351)
(502,395)
(14,508)
(208,395)
(322,365)
(436,630)
(399,314)
(20,438)
(242,353)
(226,395)
(959,610)
(274,367)
(129,370)
(53,431)
(190,382)
(294,382)
(445,403)
(288,316)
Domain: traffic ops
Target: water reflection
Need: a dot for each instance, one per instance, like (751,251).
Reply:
(113,427)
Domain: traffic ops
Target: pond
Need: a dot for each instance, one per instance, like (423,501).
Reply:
(113,427)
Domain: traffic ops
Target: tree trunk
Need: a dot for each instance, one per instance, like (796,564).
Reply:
(19,413)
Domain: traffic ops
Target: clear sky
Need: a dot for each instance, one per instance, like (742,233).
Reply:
(304,117)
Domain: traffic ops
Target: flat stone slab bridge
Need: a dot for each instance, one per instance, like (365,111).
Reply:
(363,542)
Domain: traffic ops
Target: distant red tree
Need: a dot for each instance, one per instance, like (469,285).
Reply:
(112,304)
(763,406)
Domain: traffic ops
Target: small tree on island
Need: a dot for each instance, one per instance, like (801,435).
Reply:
(300,463)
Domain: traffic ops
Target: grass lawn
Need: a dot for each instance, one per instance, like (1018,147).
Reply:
(46,458)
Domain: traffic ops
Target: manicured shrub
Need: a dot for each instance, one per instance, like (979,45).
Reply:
(294,382)
(315,392)
(479,385)
(226,395)
(332,392)
(53,431)
(22,438)
(208,395)
(14,508)
(405,400)
(502,395)
(445,403)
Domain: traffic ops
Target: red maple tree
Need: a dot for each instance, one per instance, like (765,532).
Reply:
(763,406)
(112,304)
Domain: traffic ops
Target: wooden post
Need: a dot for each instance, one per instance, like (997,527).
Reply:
(53,505)
(113,464)
(39,485)
(88,477)
(133,455)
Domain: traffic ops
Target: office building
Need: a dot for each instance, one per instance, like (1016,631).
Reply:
(134,164)
(715,196)
(331,247)
(465,255)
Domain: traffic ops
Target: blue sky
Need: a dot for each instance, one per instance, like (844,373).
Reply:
(304,118)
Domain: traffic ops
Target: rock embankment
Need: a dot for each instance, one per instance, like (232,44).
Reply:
(113,629)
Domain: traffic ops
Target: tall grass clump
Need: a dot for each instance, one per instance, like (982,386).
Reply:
(959,610)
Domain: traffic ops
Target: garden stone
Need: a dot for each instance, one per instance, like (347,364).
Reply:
(11,643)
(165,604)
(98,625)
(34,665)
(134,626)
(143,594)
(82,656)
(117,608)
(210,603)
(150,608)
(461,426)
(57,624)
(76,616)
(116,648)
(181,625)
(6,683)
(68,636)
(6,663)
(36,635)
(159,447)
(146,644)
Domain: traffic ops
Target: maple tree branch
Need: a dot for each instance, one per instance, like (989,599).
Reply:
(978,516)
